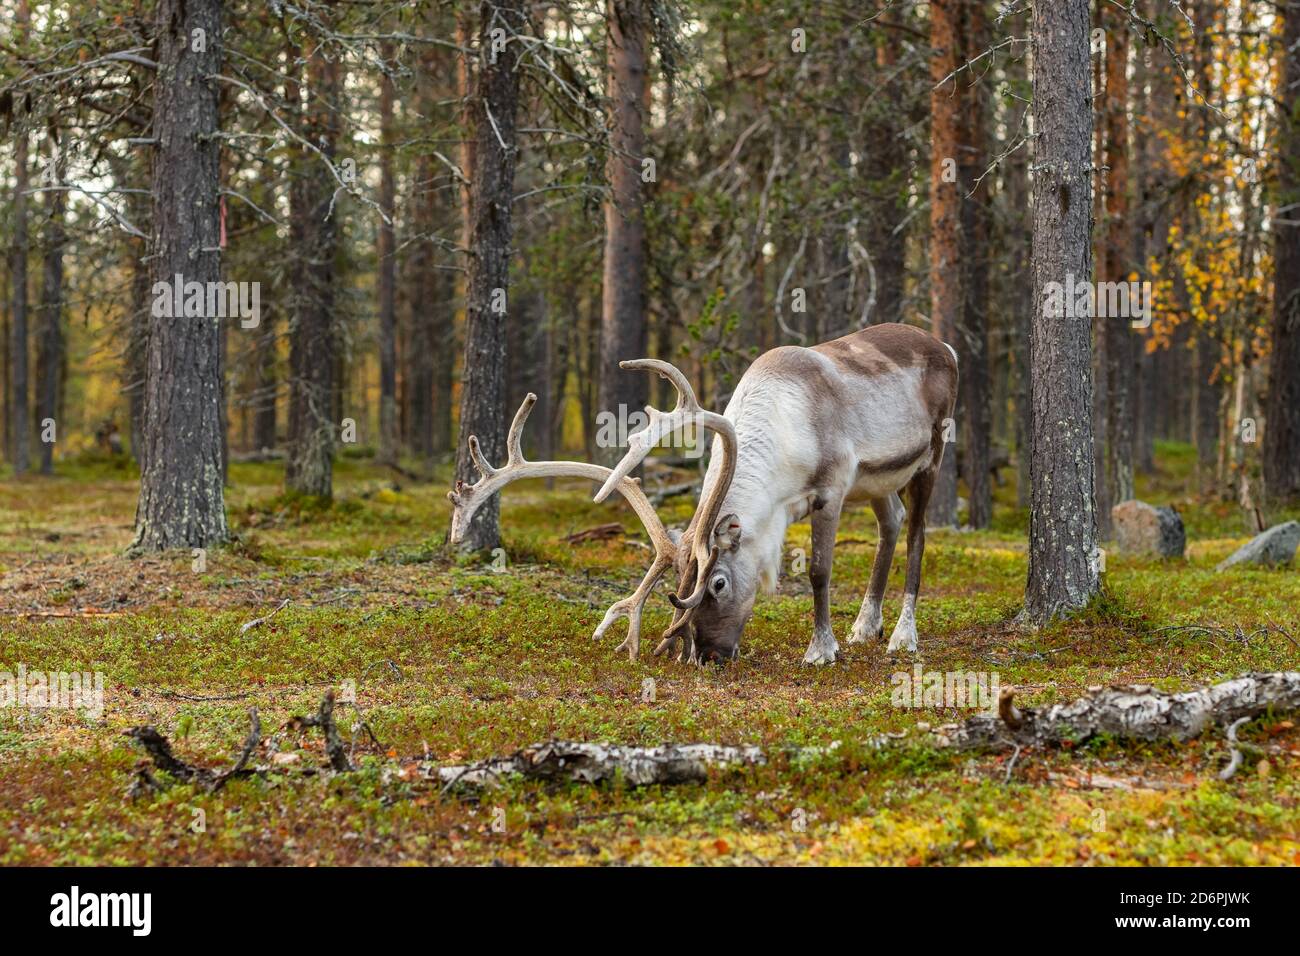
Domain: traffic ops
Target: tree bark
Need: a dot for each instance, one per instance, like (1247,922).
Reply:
(136,366)
(182,504)
(1282,412)
(974,374)
(946,295)
(50,357)
(264,408)
(623,320)
(1063,567)
(313,337)
(1116,267)
(493,108)
(887,161)
(387,250)
(427,305)
(1020,243)
(19,432)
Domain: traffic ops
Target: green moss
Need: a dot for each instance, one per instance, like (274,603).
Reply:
(454,659)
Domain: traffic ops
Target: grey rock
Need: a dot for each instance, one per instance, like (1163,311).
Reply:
(1143,529)
(1275,546)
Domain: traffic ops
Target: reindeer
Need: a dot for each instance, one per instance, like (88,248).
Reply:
(807,431)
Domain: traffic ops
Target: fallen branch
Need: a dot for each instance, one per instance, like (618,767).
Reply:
(335,749)
(255,622)
(159,750)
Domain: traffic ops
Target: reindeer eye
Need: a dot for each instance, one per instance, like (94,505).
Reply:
(719,584)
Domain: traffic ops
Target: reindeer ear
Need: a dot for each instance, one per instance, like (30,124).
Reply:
(726,535)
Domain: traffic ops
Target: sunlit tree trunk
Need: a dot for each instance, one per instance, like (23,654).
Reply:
(623,320)
(946,296)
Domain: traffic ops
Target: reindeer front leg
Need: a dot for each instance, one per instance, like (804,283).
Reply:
(889,519)
(825,522)
(918,497)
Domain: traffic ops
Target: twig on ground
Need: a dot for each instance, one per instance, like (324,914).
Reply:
(255,622)
(1237,746)
(1011,764)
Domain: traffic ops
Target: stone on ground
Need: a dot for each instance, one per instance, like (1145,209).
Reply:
(1143,529)
(1275,546)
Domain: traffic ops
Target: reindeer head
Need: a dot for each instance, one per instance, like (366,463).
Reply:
(710,606)
(714,616)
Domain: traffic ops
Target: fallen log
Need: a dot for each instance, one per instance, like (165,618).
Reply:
(1131,712)
(571,761)
(1125,712)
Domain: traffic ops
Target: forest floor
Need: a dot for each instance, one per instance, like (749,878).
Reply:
(453,662)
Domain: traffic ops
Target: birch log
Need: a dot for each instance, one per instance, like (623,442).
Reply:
(1133,712)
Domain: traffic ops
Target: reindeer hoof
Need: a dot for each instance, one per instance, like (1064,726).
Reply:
(863,631)
(902,640)
(820,652)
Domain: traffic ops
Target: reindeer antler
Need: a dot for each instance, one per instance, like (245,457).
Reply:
(467,499)
(704,555)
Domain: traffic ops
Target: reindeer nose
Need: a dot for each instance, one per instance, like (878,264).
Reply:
(713,656)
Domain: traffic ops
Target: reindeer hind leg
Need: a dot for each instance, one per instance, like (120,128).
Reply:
(918,497)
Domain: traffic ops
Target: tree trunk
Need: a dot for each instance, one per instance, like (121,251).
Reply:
(136,370)
(1020,243)
(1205,409)
(946,296)
(887,161)
(19,434)
(313,337)
(974,373)
(1063,567)
(1151,234)
(493,108)
(427,304)
(1282,412)
(386,251)
(181,498)
(50,361)
(623,321)
(1116,267)
(264,418)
